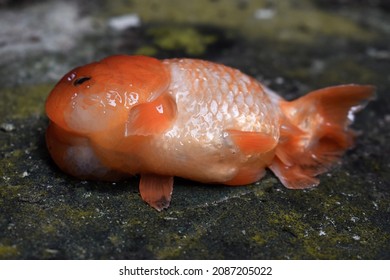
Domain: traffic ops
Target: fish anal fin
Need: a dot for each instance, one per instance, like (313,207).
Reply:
(252,142)
(293,177)
(156,190)
(151,117)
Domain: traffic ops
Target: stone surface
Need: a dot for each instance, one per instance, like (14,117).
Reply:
(291,46)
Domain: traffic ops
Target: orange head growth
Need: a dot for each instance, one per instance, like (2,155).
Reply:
(97,96)
(89,112)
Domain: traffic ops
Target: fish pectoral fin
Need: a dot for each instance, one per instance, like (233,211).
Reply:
(151,117)
(252,142)
(156,190)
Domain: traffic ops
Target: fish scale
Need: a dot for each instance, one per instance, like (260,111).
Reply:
(238,97)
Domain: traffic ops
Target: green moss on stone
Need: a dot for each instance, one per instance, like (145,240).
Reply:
(8,252)
(10,192)
(188,39)
(174,245)
(259,239)
(146,50)
(22,102)
(290,221)
(288,20)
(116,240)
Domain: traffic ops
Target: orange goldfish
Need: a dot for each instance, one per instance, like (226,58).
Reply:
(195,119)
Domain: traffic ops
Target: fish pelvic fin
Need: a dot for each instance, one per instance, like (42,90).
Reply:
(156,190)
(315,133)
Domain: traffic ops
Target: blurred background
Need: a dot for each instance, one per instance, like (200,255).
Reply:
(291,46)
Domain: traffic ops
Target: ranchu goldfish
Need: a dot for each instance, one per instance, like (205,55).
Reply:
(136,115)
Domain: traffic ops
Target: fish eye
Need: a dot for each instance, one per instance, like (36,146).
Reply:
(81,80)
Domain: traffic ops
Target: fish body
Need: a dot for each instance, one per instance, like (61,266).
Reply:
(195,119)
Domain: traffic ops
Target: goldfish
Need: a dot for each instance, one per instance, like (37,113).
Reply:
(159,119)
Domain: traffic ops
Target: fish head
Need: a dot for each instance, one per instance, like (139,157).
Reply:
(98,96)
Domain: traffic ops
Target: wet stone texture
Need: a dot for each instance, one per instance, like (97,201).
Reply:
(291,46)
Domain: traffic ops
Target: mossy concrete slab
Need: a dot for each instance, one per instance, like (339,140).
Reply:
(291,47)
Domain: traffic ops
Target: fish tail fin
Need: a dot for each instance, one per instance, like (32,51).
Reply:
(315,132)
